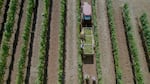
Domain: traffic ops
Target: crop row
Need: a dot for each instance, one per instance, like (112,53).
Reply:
(146,35)
(43,42)
(61,42)
(8,28)
(80,74)
(1,5)
(96,38)
(132,45)
(24,46)
(114,40)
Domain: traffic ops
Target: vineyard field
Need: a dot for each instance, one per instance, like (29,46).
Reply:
(52,42)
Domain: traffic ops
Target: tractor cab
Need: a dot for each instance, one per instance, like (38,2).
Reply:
(86,15)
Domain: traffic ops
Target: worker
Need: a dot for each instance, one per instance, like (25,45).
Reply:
(86,77)
(93,80)
(82,46)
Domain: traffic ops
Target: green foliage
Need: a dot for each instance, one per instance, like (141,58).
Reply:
(80,74)
(43,42)
(132,45)
(61,41)
(114,41)
(146,31)
(24,47)
(1,5)
(8,28)
(96,38)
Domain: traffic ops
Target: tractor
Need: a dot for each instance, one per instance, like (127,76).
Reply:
(86,15)
(86,34)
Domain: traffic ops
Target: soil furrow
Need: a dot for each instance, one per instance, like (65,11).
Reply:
(36,43)
(53,51)
(107,62)
(124,59)
(71,44)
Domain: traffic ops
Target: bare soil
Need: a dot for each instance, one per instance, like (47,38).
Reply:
(53,51)
(71,44)
(137,8)
(36,43)
(124,59)
(89,68)
(106,59)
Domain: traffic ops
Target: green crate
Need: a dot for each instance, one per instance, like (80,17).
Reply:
(88,49)
(87,31)
(88,39)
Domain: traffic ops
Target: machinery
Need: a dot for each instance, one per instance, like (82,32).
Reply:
(86,14)
(86,34)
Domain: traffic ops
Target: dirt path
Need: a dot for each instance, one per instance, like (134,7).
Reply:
(107,62)
(36,43)
(53,51)
(137,10)
(71,44)
(124,59)
(16,41)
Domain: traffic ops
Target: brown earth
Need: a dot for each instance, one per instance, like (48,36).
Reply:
(71,44)
(106,59)
(53,51)
(124,59)
(36,43)
(89,68)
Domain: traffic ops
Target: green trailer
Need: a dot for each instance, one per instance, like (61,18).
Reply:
(87,44)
